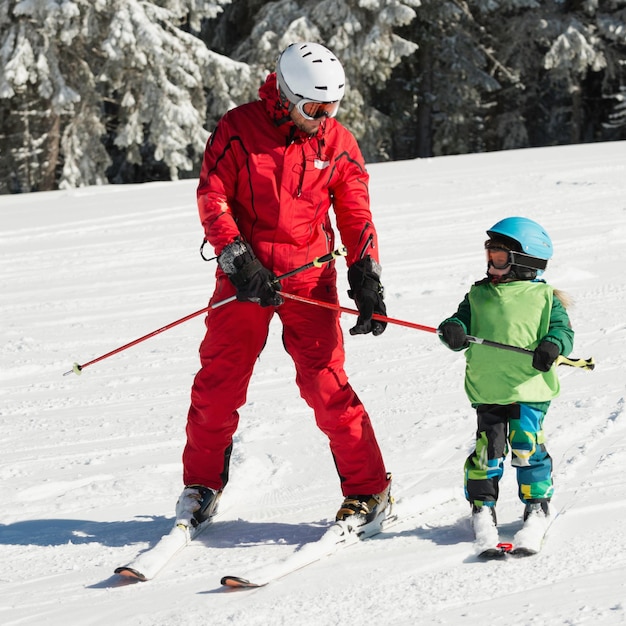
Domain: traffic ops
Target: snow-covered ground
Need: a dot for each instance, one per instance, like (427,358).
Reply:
(90,465)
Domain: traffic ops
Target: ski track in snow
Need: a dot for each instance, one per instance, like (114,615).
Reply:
(90,465)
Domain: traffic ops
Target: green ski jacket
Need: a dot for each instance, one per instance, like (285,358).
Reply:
(519,313)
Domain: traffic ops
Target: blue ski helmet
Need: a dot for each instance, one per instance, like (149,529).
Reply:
(531,236)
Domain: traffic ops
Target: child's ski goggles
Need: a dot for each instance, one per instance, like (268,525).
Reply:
(501,257)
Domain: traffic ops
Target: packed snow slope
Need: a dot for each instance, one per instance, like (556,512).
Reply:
(90,465)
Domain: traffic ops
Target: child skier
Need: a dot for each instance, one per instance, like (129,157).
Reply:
(510,391)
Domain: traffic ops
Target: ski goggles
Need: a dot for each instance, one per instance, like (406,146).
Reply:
(501,257)
(313,110)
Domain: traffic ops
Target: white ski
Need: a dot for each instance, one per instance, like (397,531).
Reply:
(149,563)
(338,536)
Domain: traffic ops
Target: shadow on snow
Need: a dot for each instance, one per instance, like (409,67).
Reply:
(231,533)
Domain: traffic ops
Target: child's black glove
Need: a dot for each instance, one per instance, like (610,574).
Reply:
(544,356)
(453,335)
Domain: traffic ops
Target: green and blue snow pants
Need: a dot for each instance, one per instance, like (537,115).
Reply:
(518,427)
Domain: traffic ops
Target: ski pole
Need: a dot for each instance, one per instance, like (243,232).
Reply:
(343,309)
(586,364)
(317,262)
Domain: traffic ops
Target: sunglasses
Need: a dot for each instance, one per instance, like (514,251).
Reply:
(313,110)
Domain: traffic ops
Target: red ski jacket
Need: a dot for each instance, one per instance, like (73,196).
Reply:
(267,181)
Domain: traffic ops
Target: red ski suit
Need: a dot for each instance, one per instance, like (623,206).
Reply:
(266,181)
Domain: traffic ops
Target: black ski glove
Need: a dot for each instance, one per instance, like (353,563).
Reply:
(254,282)
(545,355)
(368,293)
(453,335)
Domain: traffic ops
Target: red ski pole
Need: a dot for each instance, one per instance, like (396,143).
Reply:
(317,262)
(343,309)
(586,364)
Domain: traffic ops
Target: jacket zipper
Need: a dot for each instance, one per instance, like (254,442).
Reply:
(368,243)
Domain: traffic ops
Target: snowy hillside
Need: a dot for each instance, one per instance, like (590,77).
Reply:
(90,465)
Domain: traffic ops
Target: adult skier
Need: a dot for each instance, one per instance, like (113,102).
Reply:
(271,171)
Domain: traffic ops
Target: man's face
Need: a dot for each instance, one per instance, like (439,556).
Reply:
(310,127)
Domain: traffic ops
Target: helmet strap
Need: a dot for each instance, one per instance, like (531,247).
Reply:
(284,100)
(510,274)
(496,273)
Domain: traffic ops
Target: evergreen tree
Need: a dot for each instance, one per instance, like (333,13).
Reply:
(571,63)
(127,90)
(43,72)
(151,75)
(501,74)
(442,96)
(362,34)
(82,76)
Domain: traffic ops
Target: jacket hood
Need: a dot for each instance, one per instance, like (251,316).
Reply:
(279,113)
(268,92)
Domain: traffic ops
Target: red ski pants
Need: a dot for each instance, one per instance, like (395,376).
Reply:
(236,334)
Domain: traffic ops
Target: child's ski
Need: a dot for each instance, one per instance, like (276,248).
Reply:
(497,553)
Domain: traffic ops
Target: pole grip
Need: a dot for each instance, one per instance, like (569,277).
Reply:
(585,364)
(317,262)
(331,256)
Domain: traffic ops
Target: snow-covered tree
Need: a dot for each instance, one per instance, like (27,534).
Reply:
(363,34)
(442,96)
(78,76)
(127,90)
(617,117)
(152,73)
(42,74)
(499,74)
(571,61)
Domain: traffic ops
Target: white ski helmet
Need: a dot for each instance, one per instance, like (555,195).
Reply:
(310,72)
